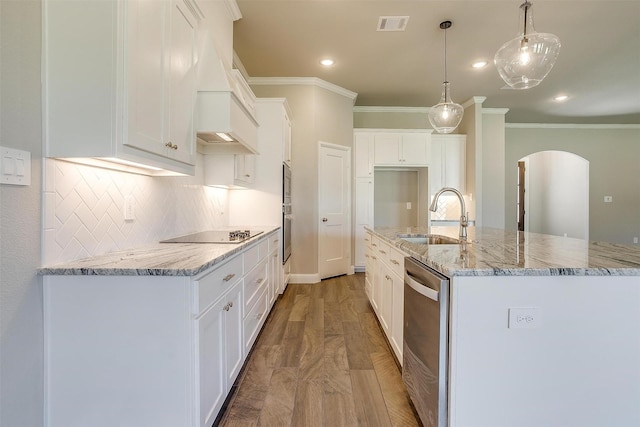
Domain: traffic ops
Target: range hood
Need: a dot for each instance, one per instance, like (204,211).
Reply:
(224,119)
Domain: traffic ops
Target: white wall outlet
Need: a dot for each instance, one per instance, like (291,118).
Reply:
(129,208)
(608,199)
(408,205)
(524,318)
(635,240)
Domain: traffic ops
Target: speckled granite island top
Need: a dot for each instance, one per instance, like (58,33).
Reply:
(497,252)
(161,259)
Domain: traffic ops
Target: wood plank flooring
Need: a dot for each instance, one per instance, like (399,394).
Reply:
(321,360)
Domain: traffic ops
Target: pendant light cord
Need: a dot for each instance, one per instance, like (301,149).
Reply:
(445,54)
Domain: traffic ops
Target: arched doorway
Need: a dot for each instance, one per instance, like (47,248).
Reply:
(553,194)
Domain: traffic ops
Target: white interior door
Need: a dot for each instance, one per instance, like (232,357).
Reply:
(334,225)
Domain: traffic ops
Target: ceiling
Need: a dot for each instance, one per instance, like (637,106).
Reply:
(598,67)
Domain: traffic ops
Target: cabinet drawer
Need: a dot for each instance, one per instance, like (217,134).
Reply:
(208,288)
(251,258)
(264,248)
(383,251)
(367,240)
(254,320)
(254,283)
(274,241)
(396,261)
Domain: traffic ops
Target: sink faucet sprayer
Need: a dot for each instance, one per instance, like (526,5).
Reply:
(464,215)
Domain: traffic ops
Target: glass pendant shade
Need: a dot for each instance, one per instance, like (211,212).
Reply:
(446,115)
(527,59)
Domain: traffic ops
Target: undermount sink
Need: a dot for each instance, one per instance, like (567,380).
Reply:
(428,239)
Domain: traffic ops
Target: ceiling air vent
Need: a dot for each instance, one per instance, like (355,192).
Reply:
(392,23)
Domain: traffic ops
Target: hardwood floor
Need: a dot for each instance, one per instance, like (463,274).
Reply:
(321,360)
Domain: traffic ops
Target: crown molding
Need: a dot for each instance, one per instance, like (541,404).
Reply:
(234,10)
(569,126)
(304,81)
(500,111)
(474,100)
(383,109)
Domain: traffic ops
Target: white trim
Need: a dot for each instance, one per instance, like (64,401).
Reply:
(501,111)
(569,126)
(474,100)
(304,278)
(305,81)
(234,10)
(385,130)
(383,109)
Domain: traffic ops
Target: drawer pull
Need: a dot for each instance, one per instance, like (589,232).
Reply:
(226,307)
(386,276)
(259,280)
(395,262)
(259,315)
(382,252)
(373,244)
(276,241)
(374,257)
(229,277)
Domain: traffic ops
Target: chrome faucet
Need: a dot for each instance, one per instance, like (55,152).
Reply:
(464,215)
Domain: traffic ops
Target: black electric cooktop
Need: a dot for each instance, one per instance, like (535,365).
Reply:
(215,236)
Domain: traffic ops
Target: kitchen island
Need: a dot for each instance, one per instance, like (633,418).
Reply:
(573,360)
(154,336)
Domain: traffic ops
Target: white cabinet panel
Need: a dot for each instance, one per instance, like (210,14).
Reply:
(363,216)
(448,162)
(363,159)
(401,148)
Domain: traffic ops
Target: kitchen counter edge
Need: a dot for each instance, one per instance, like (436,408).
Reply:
(160,259)
(479,256)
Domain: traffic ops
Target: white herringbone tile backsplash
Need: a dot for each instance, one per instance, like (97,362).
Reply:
(84,210)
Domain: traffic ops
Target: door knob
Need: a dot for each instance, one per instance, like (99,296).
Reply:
(324,220)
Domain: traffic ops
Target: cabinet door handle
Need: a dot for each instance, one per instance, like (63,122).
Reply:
(229,277)
(226,307)
(393,261)
(382,252)
(386,276)
(247,175)
(259,280)
(374,245)
(324,220)
(374,257)
(171,145)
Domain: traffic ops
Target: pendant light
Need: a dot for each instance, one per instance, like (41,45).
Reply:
(446,115)
(527,59)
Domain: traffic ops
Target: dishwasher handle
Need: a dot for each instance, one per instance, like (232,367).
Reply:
(420,288)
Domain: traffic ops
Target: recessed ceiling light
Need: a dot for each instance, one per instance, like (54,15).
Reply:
(561,98)
(327,62)
(479,64)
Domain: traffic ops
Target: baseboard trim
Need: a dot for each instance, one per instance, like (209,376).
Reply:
(304,278)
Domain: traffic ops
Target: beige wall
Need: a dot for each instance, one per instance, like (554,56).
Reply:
(391,118)
(614,170)
(317,114)
(21,327)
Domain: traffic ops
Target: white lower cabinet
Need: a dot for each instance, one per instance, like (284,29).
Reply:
(221,352)
(384,284)
(151,350)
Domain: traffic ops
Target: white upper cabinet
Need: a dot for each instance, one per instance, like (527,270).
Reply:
(125,90)
(401,149)
(448,165)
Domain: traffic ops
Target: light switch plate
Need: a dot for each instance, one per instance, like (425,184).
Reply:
(15,166)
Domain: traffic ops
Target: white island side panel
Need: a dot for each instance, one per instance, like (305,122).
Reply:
(579,367)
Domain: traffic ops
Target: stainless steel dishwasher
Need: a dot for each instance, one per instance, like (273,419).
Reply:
(425,356)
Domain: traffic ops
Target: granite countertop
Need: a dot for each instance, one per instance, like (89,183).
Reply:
(159,259)
(497,252)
